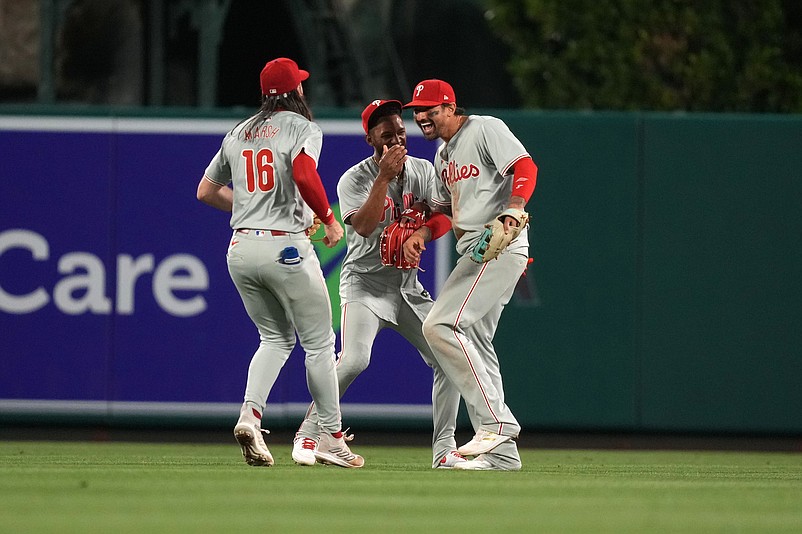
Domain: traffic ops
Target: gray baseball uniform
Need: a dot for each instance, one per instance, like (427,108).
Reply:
(474,183)
(370,296)
(271,260)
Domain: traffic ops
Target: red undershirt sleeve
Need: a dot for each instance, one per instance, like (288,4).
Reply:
(525,178)
(311,188)
(439,224)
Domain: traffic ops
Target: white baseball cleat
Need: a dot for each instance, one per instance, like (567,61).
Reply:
(477,464)
(483,441)
(334,451)
(450,460)
(303,450)
(254,450)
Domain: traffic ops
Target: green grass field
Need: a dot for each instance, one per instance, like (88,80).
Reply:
(132,487)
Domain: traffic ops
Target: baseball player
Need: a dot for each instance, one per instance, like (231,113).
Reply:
(482,170)
(373,193)
(270,160)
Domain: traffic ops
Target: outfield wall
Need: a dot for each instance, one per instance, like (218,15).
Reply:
(665,294)
(115,300)
(668,269)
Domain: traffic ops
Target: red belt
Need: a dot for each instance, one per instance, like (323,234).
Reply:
(272,232)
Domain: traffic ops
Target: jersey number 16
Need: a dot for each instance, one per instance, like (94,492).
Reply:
(260,170)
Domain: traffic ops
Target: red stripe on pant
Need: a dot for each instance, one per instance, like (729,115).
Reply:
(465,352)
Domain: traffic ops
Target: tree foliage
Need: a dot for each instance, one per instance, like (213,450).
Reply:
(716,55)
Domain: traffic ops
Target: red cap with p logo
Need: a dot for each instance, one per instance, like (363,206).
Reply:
(430,93)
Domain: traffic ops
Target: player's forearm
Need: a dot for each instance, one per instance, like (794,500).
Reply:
(516,202)
(391,166)
(524,181)
(215,195)
(367,217)
(424,232)
(311,188)
(437,225)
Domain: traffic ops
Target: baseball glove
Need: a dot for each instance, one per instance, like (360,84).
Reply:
(494,240)
(312,230)
(393,237)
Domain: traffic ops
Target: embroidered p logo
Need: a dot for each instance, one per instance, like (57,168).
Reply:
(418,90)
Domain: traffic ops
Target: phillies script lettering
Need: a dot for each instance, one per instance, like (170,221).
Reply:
(455,172)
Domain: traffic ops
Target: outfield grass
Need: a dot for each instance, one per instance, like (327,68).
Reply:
(127,487)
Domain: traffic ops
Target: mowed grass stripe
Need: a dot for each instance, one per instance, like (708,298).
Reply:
(137,487)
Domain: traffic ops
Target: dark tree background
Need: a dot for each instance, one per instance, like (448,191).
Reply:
(663,55)
(716,55)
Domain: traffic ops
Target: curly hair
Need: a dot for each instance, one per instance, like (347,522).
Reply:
(292,101)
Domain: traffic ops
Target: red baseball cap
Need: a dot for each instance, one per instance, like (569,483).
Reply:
(430,93)
(280,76)
(375,106)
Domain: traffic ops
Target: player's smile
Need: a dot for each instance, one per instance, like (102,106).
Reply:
(425,118)
(427,127)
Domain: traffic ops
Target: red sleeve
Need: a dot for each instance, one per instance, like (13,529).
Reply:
(311,188)
(439,224)
(525,178)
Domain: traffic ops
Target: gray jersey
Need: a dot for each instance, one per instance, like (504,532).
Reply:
(260,162)
(375,297)
(363,278)
(473,170)
(473,176)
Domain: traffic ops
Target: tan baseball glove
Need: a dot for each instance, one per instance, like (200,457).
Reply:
(494,240)
(393,236)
